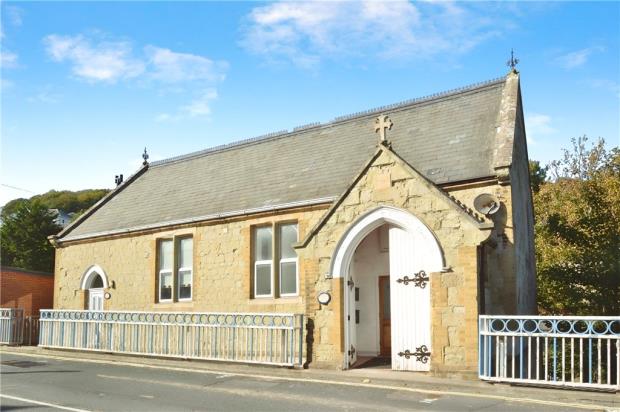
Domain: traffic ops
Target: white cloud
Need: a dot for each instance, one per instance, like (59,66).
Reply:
(46,95)
(15,15)
(200,106)
(538,125)
(109,61)
(8,60)
(106,61)
(95,59)
(5,84)
(578,57)
(306,32)
(169,66)
(605,84)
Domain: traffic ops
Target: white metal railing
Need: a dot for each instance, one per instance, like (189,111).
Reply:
(570,351)
(266,338)
(11,326)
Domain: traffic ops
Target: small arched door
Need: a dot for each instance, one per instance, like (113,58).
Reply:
(95,293)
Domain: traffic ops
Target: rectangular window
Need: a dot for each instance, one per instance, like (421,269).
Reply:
(263,262)
(175,276)
(165,270)
(185,268)
(279,265)
(288,260)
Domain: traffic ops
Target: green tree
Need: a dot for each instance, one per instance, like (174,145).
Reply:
(23,237)
(578,232)
(65,200)
(538,175)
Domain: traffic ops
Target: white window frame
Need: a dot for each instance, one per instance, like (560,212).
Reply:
(180,269)
(191,286)
(258,263)
(262,263)
(174,272)
(165,272)
(287,260)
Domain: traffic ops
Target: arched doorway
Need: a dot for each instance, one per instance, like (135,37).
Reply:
(94,281)
(413,253)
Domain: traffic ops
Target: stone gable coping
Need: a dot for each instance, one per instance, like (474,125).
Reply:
(506,125)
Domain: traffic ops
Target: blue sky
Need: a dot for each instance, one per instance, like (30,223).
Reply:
(86,86)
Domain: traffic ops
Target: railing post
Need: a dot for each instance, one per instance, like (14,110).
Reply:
(301,340)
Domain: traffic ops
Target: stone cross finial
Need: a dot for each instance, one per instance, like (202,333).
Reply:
(145,156)
(513,61)
(382,123)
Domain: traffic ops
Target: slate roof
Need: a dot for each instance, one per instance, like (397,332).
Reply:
(448,137)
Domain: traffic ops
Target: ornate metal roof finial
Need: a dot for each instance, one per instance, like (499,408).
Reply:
(382,124)
(145,156)
(512,63)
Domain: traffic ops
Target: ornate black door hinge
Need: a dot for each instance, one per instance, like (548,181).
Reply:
(352,351)
(421,354)
(350,283)
(419,279)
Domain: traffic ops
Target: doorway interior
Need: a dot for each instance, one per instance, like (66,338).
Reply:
(370,283)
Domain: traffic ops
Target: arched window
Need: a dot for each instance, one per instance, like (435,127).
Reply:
(96,282)
(94,278)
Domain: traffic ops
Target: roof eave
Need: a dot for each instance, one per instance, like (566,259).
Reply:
(193,220)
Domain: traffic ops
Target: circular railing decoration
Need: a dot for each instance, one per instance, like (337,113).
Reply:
(554,326)
(176,318)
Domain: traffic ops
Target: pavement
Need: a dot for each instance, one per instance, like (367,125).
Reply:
(41,379)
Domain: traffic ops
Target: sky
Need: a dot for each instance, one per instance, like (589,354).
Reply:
(86,86)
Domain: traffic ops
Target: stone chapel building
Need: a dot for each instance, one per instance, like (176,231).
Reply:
(367,225)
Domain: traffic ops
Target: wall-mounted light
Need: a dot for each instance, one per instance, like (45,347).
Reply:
(324,298)
(107,295)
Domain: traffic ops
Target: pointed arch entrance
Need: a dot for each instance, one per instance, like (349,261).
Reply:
(414,252)
(94,281)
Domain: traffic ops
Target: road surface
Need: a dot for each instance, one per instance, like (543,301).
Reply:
(48,383)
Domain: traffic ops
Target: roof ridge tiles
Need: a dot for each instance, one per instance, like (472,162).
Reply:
(219,148)
(421,99)
(338,119)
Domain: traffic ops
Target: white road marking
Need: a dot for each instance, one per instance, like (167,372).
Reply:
(51,405)
(322,381)
(430,400)
(147,396)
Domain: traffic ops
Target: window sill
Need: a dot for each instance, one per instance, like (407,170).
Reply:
(284,300)
(173,306)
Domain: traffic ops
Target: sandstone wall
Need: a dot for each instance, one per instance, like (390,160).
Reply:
(222,268)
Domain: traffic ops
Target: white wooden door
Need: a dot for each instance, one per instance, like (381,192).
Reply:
(95,299)
(351,351)
(410,253)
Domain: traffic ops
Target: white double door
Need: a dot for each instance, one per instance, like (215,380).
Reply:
(413,256)
(95,299)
